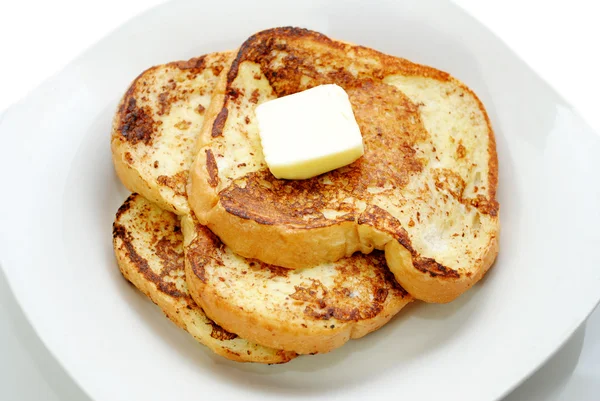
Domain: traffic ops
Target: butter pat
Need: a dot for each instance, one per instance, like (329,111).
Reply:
(309,133)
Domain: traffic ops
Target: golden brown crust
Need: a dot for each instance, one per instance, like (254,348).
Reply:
(389,161)
(307,312)
(135,123)
(255,208)
(141,228)
(121,234)
(217,128)
(258,49)
(154,132)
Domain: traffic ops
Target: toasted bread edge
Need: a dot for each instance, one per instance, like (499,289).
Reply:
(129,176)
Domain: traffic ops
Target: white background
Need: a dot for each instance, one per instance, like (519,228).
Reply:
(559,39)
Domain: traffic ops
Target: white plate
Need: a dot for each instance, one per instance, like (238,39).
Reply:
(60,195)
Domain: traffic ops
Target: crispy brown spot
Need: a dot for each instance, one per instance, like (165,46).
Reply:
(136,124)
(277,271)
(211,167)
(171,258)
(217,129)
(274,271)
(234,93)
(155,164)
(356,295)
(220,333)
(176,182)
(217,69)
(428,265)
(198,64)
(254,96)
(202,251)
(168,97)
(162,103)
(200,109)
(128,158)
(460,151)
(183,125)
(449,181)
(484,205)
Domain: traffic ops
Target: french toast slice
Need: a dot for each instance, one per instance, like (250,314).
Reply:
(312,310)
(156,126)
(424,191)
(148,245)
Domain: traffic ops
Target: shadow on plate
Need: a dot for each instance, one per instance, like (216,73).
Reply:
(554,374)
(56,377)
(395,343)
(545,382)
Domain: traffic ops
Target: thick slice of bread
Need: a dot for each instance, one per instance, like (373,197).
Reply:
(148,245)
(157,124)
(424,191)
(313,310)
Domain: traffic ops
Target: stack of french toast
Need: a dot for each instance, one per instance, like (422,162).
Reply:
(260,269)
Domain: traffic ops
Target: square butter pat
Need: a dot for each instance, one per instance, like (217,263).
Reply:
(309,133)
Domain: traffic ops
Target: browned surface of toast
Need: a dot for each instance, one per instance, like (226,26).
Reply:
(425,190)
(148,245)
(156,126)
(313,310)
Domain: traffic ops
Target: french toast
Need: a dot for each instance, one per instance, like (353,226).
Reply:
(313,310)
(156,126)
(148,245)
(146,232)
(424,191)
